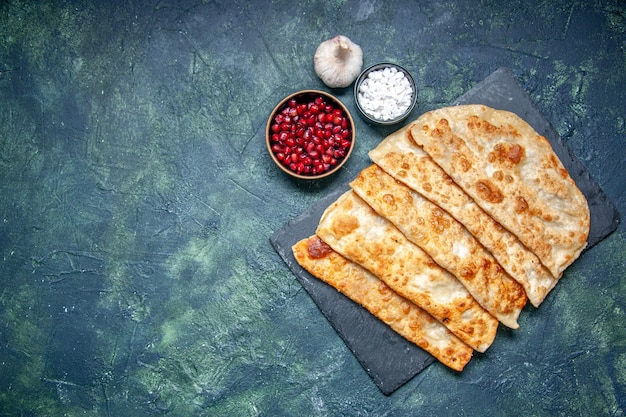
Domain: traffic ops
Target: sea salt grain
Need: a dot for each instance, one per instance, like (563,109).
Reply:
(385,94)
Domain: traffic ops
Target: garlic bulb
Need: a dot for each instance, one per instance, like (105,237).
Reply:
(338,61)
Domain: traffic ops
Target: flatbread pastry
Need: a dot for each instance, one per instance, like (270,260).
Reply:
(353,229)
(408,163)
(513,174)
(401,315)
(450,244)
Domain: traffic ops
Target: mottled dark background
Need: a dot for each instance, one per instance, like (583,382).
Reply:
(137,200)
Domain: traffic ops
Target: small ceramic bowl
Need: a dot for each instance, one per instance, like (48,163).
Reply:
(374,101)
(310,134)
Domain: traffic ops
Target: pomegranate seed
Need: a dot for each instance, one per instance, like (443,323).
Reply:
(308,134)
(309,138)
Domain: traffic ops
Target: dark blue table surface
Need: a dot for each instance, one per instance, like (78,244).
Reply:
(137,202)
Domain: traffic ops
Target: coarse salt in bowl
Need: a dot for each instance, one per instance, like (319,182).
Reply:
(385,93)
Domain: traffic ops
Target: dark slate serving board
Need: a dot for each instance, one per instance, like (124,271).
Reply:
(388,358)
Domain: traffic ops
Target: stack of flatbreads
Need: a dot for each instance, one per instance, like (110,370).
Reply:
(464,216)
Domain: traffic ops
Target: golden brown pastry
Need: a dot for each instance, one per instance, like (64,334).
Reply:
(408,163)
(513,174)
(353,229)
(443,238)
(401,315)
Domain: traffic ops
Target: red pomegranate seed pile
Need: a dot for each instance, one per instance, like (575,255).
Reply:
(310,138)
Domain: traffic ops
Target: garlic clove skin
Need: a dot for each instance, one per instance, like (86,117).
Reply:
(338,61)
